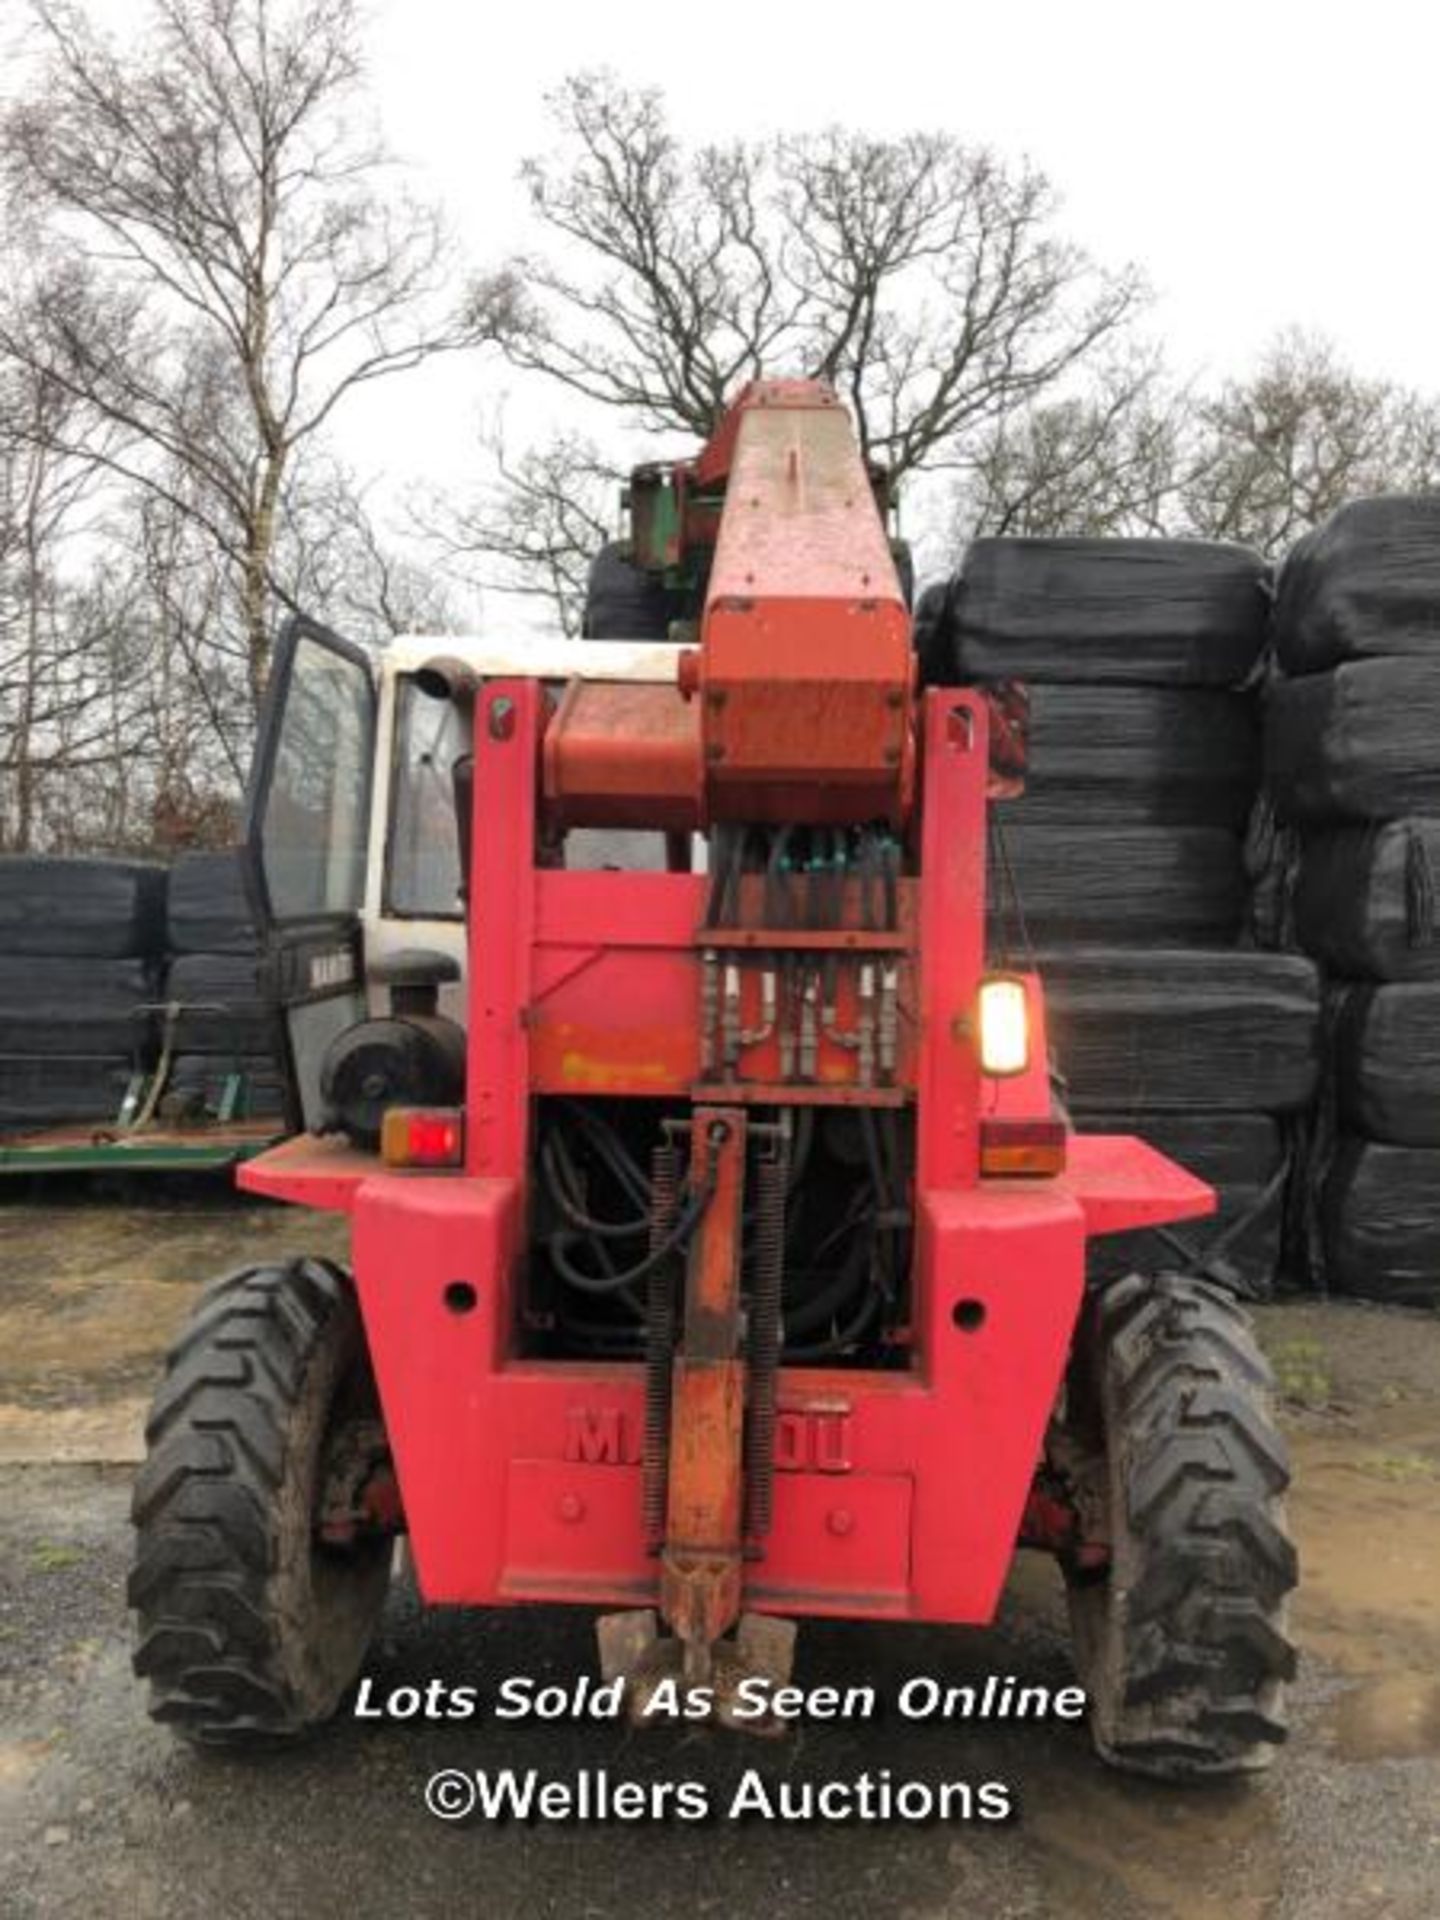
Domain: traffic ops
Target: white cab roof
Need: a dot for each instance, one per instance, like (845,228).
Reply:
(537,657)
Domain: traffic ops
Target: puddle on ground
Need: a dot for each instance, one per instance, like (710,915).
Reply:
(1394,1717)
(1108,1839)
(1369,1541)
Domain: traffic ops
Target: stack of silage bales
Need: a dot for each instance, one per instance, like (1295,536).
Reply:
(1126,854)
(79,958)
(1353,752)
(224,1063)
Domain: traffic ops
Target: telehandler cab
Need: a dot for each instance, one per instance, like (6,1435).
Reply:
(719,1257)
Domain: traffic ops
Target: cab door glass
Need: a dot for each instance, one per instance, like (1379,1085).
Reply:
(317,806)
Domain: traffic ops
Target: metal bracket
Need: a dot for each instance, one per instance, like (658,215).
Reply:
(634,1650)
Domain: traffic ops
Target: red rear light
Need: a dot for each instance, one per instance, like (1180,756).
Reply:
(423,1137)
(1031,1149)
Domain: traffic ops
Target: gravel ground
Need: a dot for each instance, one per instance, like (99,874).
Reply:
(102,1813)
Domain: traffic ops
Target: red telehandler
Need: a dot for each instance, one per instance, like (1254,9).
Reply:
(725,1260)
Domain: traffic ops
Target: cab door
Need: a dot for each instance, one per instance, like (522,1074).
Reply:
(307,816)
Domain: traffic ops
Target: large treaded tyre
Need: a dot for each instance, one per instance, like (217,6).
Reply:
(623,602)
(250,1629)
(1181,1643)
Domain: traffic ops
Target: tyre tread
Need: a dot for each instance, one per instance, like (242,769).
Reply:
(204,1503)
(1204,1656)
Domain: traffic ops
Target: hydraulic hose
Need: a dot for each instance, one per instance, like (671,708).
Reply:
(686,1221)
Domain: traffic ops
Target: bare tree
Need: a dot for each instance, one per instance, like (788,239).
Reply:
(196,694)
(237,259)
(337,560)
(1275,453)
(1258,460)
(920,275)
(938,295)
(1107,460)
(534,528)
(43,498)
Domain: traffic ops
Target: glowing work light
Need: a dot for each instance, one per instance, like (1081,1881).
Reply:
(1004,1025)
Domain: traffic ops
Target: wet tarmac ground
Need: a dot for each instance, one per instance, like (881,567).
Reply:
(103,1814)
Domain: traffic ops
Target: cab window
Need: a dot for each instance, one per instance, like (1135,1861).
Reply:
(422,865)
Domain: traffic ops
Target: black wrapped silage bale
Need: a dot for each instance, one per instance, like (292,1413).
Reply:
(1138,612)
(1367,900)
(1386,1061)
(223,1011)
(47,1091)
(930,636)
(55,907)
(1361,742)
(1380,1215)
(207,910)
(1151,886)
(70,1006)
(1140,756)
(1364,584)
(1183,1030)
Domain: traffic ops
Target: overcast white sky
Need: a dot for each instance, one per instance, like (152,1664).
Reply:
(1265,163)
